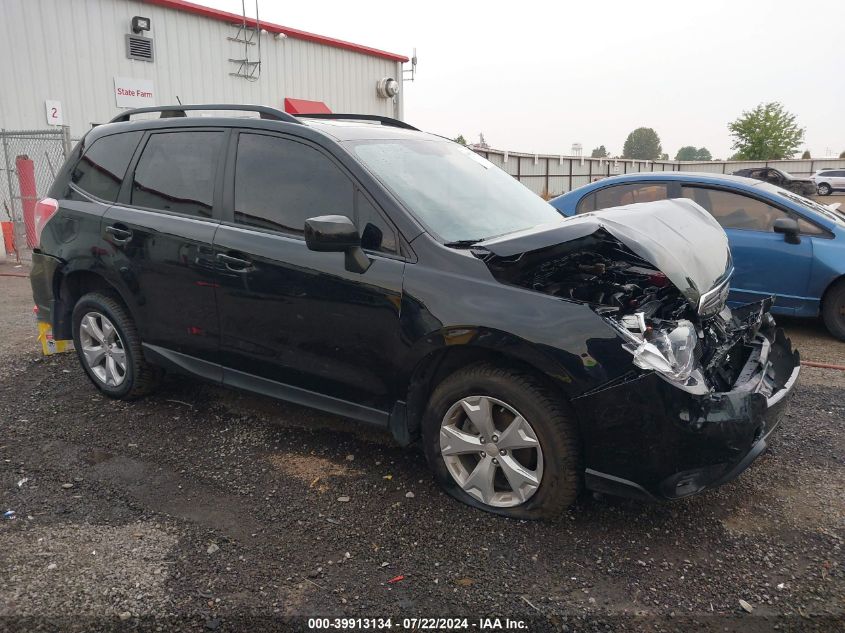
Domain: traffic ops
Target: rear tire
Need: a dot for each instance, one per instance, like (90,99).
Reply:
(545,449)
(833,310)
(824,189)
(109,348)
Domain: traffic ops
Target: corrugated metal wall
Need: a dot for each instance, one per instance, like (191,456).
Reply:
(550,175)
(71,50)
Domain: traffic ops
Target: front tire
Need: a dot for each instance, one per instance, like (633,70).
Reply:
(109,348)
(833,310)
(824,189)
(500,440)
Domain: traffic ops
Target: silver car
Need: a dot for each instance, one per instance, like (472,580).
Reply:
(829,180)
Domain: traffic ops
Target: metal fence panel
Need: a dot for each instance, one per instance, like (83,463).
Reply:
(29,160)
(550,175)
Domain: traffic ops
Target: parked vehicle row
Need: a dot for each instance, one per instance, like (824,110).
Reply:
(824,181)
(780,178)
(391,276)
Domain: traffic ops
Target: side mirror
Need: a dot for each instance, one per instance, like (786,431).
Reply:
(337,234)
(789,228)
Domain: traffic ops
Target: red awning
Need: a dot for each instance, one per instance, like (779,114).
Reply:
(304,106)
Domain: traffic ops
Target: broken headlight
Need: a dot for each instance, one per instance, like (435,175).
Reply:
(672,352)
(668,351)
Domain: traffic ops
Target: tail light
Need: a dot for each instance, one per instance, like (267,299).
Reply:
(44,210)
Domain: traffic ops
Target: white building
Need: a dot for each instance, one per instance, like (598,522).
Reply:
(78,62)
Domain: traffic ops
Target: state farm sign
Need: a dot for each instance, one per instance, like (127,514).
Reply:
(133,93)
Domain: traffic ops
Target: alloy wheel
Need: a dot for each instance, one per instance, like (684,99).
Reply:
(491,451)
(102,349)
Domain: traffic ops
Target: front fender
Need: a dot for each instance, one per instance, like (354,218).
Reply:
(563,339)
(828,263)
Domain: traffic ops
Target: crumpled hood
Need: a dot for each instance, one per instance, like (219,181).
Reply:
(677,236)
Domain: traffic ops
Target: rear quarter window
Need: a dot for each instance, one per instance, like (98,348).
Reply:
(102,167)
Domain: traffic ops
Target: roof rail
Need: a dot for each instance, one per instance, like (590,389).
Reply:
(176,111)
(384,120)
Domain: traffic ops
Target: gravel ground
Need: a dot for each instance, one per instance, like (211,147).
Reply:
(832,199)
(201,508)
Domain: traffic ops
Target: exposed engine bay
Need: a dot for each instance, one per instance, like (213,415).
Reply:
(662,327)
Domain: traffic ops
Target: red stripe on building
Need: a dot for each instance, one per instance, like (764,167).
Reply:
(234,18)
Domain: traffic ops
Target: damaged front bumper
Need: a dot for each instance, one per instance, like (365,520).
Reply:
(646,437)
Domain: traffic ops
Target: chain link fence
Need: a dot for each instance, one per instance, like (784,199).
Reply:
(29,160)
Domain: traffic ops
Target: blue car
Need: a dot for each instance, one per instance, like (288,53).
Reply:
(782,243)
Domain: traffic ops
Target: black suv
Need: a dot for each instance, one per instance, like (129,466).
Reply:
(801,186)
(360,266)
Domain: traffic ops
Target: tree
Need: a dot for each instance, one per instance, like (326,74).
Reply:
(768,132)
(460,139)
(806,155)
(599,152)
(643,144)
(842,155)
(689,152)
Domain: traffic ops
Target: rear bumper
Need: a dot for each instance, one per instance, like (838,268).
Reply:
(647,438)
(41,278)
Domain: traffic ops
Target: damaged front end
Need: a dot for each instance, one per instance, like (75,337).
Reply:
(713,380)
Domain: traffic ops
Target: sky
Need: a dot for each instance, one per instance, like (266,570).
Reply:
(540,76)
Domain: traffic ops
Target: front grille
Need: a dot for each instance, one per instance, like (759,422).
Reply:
(698,352)
(714,300)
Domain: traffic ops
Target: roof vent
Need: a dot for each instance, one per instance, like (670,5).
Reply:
(139,47)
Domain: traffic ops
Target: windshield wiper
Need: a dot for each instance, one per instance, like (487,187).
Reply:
(461,243)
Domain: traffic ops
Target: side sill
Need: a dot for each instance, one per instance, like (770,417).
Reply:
(297,395)
(183,363)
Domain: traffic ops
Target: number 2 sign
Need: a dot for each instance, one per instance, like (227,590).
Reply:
(54,112)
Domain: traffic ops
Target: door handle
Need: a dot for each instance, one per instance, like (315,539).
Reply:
(235,264)
(119,235)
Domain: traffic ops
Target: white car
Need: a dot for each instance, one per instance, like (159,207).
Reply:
(829,180)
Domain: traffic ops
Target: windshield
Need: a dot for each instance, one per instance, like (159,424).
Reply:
(785,174)
(453,191)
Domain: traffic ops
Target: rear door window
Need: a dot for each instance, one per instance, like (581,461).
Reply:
(620,195)
(101,169)
(176,172)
